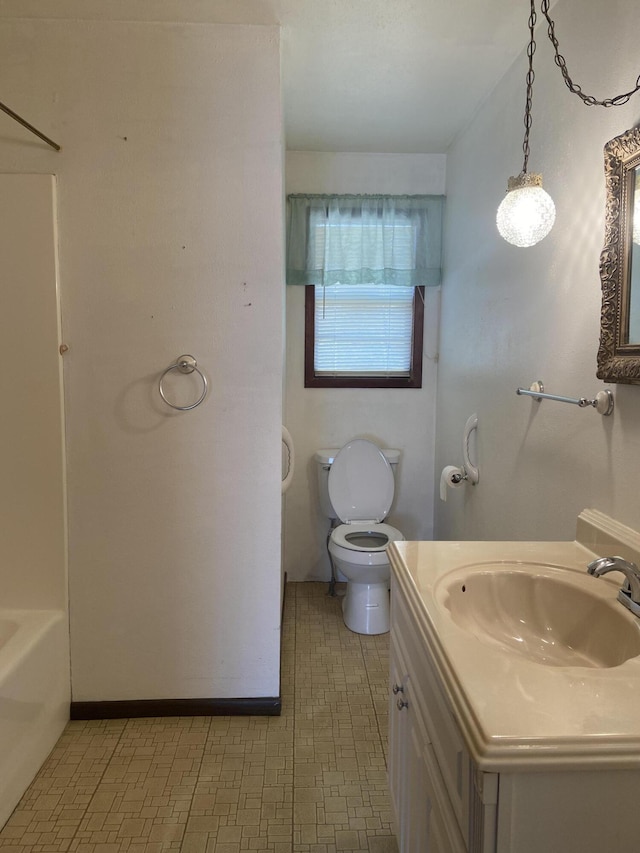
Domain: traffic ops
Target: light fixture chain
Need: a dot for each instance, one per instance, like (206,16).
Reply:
(617,101)
(531,49)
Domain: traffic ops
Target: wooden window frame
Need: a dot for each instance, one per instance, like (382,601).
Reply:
(413,380)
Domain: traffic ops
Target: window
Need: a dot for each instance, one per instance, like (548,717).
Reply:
(363,336)
(365,261)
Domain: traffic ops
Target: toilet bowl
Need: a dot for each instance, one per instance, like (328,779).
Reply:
(361,488)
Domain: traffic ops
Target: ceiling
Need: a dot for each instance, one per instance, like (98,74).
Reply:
(388,76)
(402,76)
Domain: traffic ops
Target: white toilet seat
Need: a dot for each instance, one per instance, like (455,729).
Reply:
(361,487)
(388,534)
(361,483)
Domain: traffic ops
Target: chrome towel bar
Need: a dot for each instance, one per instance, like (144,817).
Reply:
(602,402)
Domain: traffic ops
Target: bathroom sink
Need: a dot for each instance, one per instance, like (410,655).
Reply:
(547,614)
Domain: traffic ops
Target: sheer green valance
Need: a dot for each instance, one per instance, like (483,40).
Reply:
(364,239)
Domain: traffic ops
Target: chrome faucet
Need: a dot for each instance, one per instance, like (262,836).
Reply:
(629,595)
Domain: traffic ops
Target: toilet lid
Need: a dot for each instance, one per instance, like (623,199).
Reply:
(361,482)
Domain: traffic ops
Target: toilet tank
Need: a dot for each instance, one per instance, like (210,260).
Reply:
(324,460)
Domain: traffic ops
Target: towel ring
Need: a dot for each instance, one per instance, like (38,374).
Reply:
(185,364)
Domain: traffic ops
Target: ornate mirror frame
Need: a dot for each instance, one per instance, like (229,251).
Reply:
(618,360)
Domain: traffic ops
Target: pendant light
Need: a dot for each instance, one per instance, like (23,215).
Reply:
(527,212)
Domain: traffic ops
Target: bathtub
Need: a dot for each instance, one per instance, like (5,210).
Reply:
(34,696)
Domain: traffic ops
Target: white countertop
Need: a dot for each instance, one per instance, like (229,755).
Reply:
(514,713)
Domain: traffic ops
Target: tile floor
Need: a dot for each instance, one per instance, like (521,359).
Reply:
(310,781)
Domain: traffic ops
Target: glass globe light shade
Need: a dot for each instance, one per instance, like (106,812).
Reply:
(527,213)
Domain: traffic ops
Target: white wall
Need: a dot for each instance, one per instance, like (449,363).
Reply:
(170,211)
(329,417)
(511,316)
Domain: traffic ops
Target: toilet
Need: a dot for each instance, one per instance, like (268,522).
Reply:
(357,487)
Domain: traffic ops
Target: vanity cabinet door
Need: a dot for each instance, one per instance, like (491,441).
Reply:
(451,756)
(397,738)
(409,778)
(416,835)
(425,820)
(443,833)
(407,774)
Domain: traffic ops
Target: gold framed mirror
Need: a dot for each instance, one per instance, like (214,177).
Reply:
(619,351)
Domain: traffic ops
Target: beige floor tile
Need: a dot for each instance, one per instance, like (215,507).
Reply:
(312,780)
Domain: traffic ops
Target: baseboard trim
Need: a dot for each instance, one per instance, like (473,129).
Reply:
(260,707)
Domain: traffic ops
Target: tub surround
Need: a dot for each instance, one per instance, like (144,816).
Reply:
(34,696)
(34,624)
(514,713)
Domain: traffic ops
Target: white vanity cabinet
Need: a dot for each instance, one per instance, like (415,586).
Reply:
(489,753)
(435,799)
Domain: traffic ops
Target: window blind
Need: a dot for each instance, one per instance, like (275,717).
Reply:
(363,329)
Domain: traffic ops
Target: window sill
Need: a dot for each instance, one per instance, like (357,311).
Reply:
(362,382)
